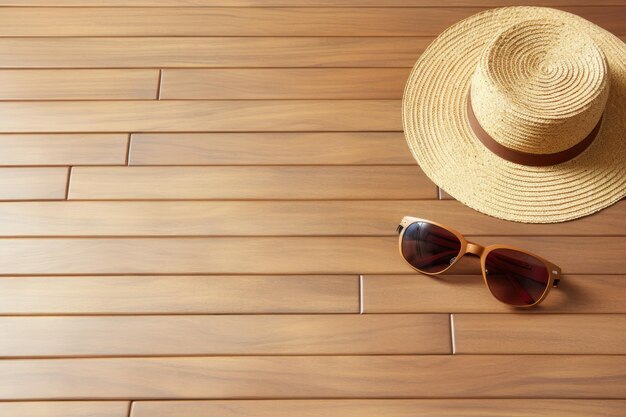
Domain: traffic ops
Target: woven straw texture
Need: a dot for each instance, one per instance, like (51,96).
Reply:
(540,79)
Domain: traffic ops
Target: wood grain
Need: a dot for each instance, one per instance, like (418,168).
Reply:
(172,116)
(234,21)
(280,83)
(65,409)
(270,255)
(279,182)
(228,21)
(200,255)
(274,218)
(33,183)
(336,148)
(179,294)
(130,84)
(63,149)
(377,408)
(322,334)
(468,294)
(227,266)
(436,376)
(540,334)
(215,52)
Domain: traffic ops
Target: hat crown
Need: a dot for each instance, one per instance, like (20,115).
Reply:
(540,87)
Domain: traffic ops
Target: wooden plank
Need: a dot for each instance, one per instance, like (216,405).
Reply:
(322,334)
(229,21)
(238,21)
(270,255)
(277,182)
(540,334)
(33,183)
(179,294)
(301,3)
(280,83)
(63,149)
(65,409)
(217,52)
(468,294)
(199,255)
(190,116)
(435,376)
(131,84)
(336,148)
(377,408)
(255,21)
(274,218)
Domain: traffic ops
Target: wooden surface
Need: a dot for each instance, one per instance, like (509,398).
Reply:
(376,408)
(198,210)
(582,333)
(322,334)
(65,409)
(251,377)
(164,294)
(256,21)
(328,148)
(92,84)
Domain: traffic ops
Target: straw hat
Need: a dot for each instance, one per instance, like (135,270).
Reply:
(520,113)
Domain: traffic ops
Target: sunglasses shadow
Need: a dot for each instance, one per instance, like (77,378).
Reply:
(568,292)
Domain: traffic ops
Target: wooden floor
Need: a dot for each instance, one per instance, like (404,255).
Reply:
(198,219)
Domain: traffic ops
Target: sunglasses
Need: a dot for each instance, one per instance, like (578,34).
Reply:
(514,276)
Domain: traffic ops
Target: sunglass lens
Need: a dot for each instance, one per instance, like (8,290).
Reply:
(429,248)
(515,278)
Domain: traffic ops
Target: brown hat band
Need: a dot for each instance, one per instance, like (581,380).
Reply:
(525,158)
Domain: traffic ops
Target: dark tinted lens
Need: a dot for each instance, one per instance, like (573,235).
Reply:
(429,248)
(514,277)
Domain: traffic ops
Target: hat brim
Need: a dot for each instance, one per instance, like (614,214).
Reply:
(437,130)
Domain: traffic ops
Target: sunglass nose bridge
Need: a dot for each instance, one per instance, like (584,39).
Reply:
(475,249)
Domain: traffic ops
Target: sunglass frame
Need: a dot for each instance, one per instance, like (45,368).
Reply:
(467,247)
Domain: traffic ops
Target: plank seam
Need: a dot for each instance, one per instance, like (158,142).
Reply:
(42,5)
(452,339)
(193,274)
(265,36)
(298,355)
(287,398)
(167,67)
(156,36)
(127,161)
(40,236)
(326,312)
(248,165)
(243,200)
(67,183)
(361,296)
(143,357)
(78,132)
(159,84)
